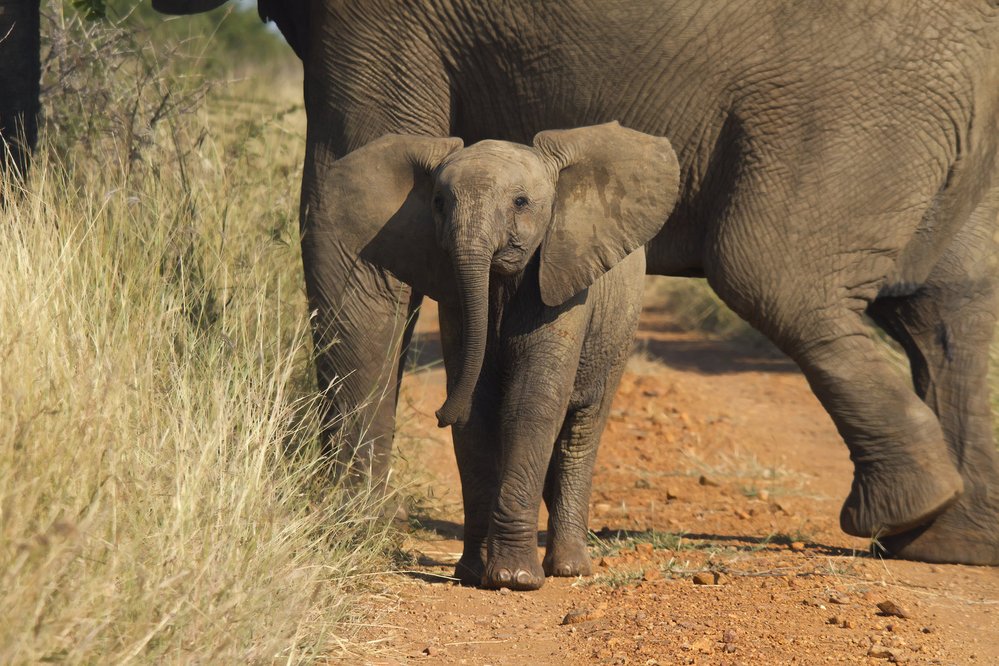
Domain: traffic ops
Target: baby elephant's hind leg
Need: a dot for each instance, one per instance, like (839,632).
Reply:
(616,307)
(567,491)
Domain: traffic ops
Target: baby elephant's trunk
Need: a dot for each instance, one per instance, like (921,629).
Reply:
(472,273)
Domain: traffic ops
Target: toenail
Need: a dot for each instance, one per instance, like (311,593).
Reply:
(503,575)
(523,577)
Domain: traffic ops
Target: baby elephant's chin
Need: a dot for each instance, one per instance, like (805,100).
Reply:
(509,264)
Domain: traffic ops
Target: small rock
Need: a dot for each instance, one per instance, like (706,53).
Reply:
(729,648)
(763,495)
(703,645)
(927,630)
(643,483)
(652,574)
(651,393)
(797,546)
(582,615)
(504,591)
(431,651)
(892,609)
(742,515)
(644,549)
(879,651)
(783,508)
(705,578)
(672,494)
(847,623)
(707,481)
(601,507)
(835,619)
(729,636)
(837,598)
(882,652)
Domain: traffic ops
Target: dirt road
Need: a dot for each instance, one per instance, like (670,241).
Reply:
(714,505)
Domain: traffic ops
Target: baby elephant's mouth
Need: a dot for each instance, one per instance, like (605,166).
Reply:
(509,261)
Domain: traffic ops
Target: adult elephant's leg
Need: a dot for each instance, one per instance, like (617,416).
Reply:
(361,317)
(477,451)
(778,265)
(946,329)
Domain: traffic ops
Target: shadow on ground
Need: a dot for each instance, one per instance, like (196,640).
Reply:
(712,357)
(624,539)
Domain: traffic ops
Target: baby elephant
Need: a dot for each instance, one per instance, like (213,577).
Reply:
(544,246)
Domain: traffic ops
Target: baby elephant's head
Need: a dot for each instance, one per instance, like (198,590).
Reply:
(492,204)
(587,197)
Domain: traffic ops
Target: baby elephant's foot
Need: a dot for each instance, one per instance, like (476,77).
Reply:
(564,558)
(517,569)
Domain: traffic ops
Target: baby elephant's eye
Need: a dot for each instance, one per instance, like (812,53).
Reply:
(520,202)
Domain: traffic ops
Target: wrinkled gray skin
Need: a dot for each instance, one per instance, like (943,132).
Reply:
(837,158)
(535,361)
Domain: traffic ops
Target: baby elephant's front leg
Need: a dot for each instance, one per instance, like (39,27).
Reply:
(541,355)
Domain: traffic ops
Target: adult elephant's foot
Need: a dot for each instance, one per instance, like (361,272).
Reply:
(515,567)
(567,558)
(900,492)
(966,533)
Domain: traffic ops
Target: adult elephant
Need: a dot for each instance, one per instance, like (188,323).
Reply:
(20,70)
(836,158)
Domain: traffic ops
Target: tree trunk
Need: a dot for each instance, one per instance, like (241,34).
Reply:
(20,70)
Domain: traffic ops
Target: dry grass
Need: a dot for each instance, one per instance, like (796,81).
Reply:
(691,305)
(161,495)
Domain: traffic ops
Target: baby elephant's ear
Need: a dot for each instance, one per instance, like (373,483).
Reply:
(616,187)
(375,204)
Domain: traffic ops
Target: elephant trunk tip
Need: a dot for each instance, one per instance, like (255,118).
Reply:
(451,414)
